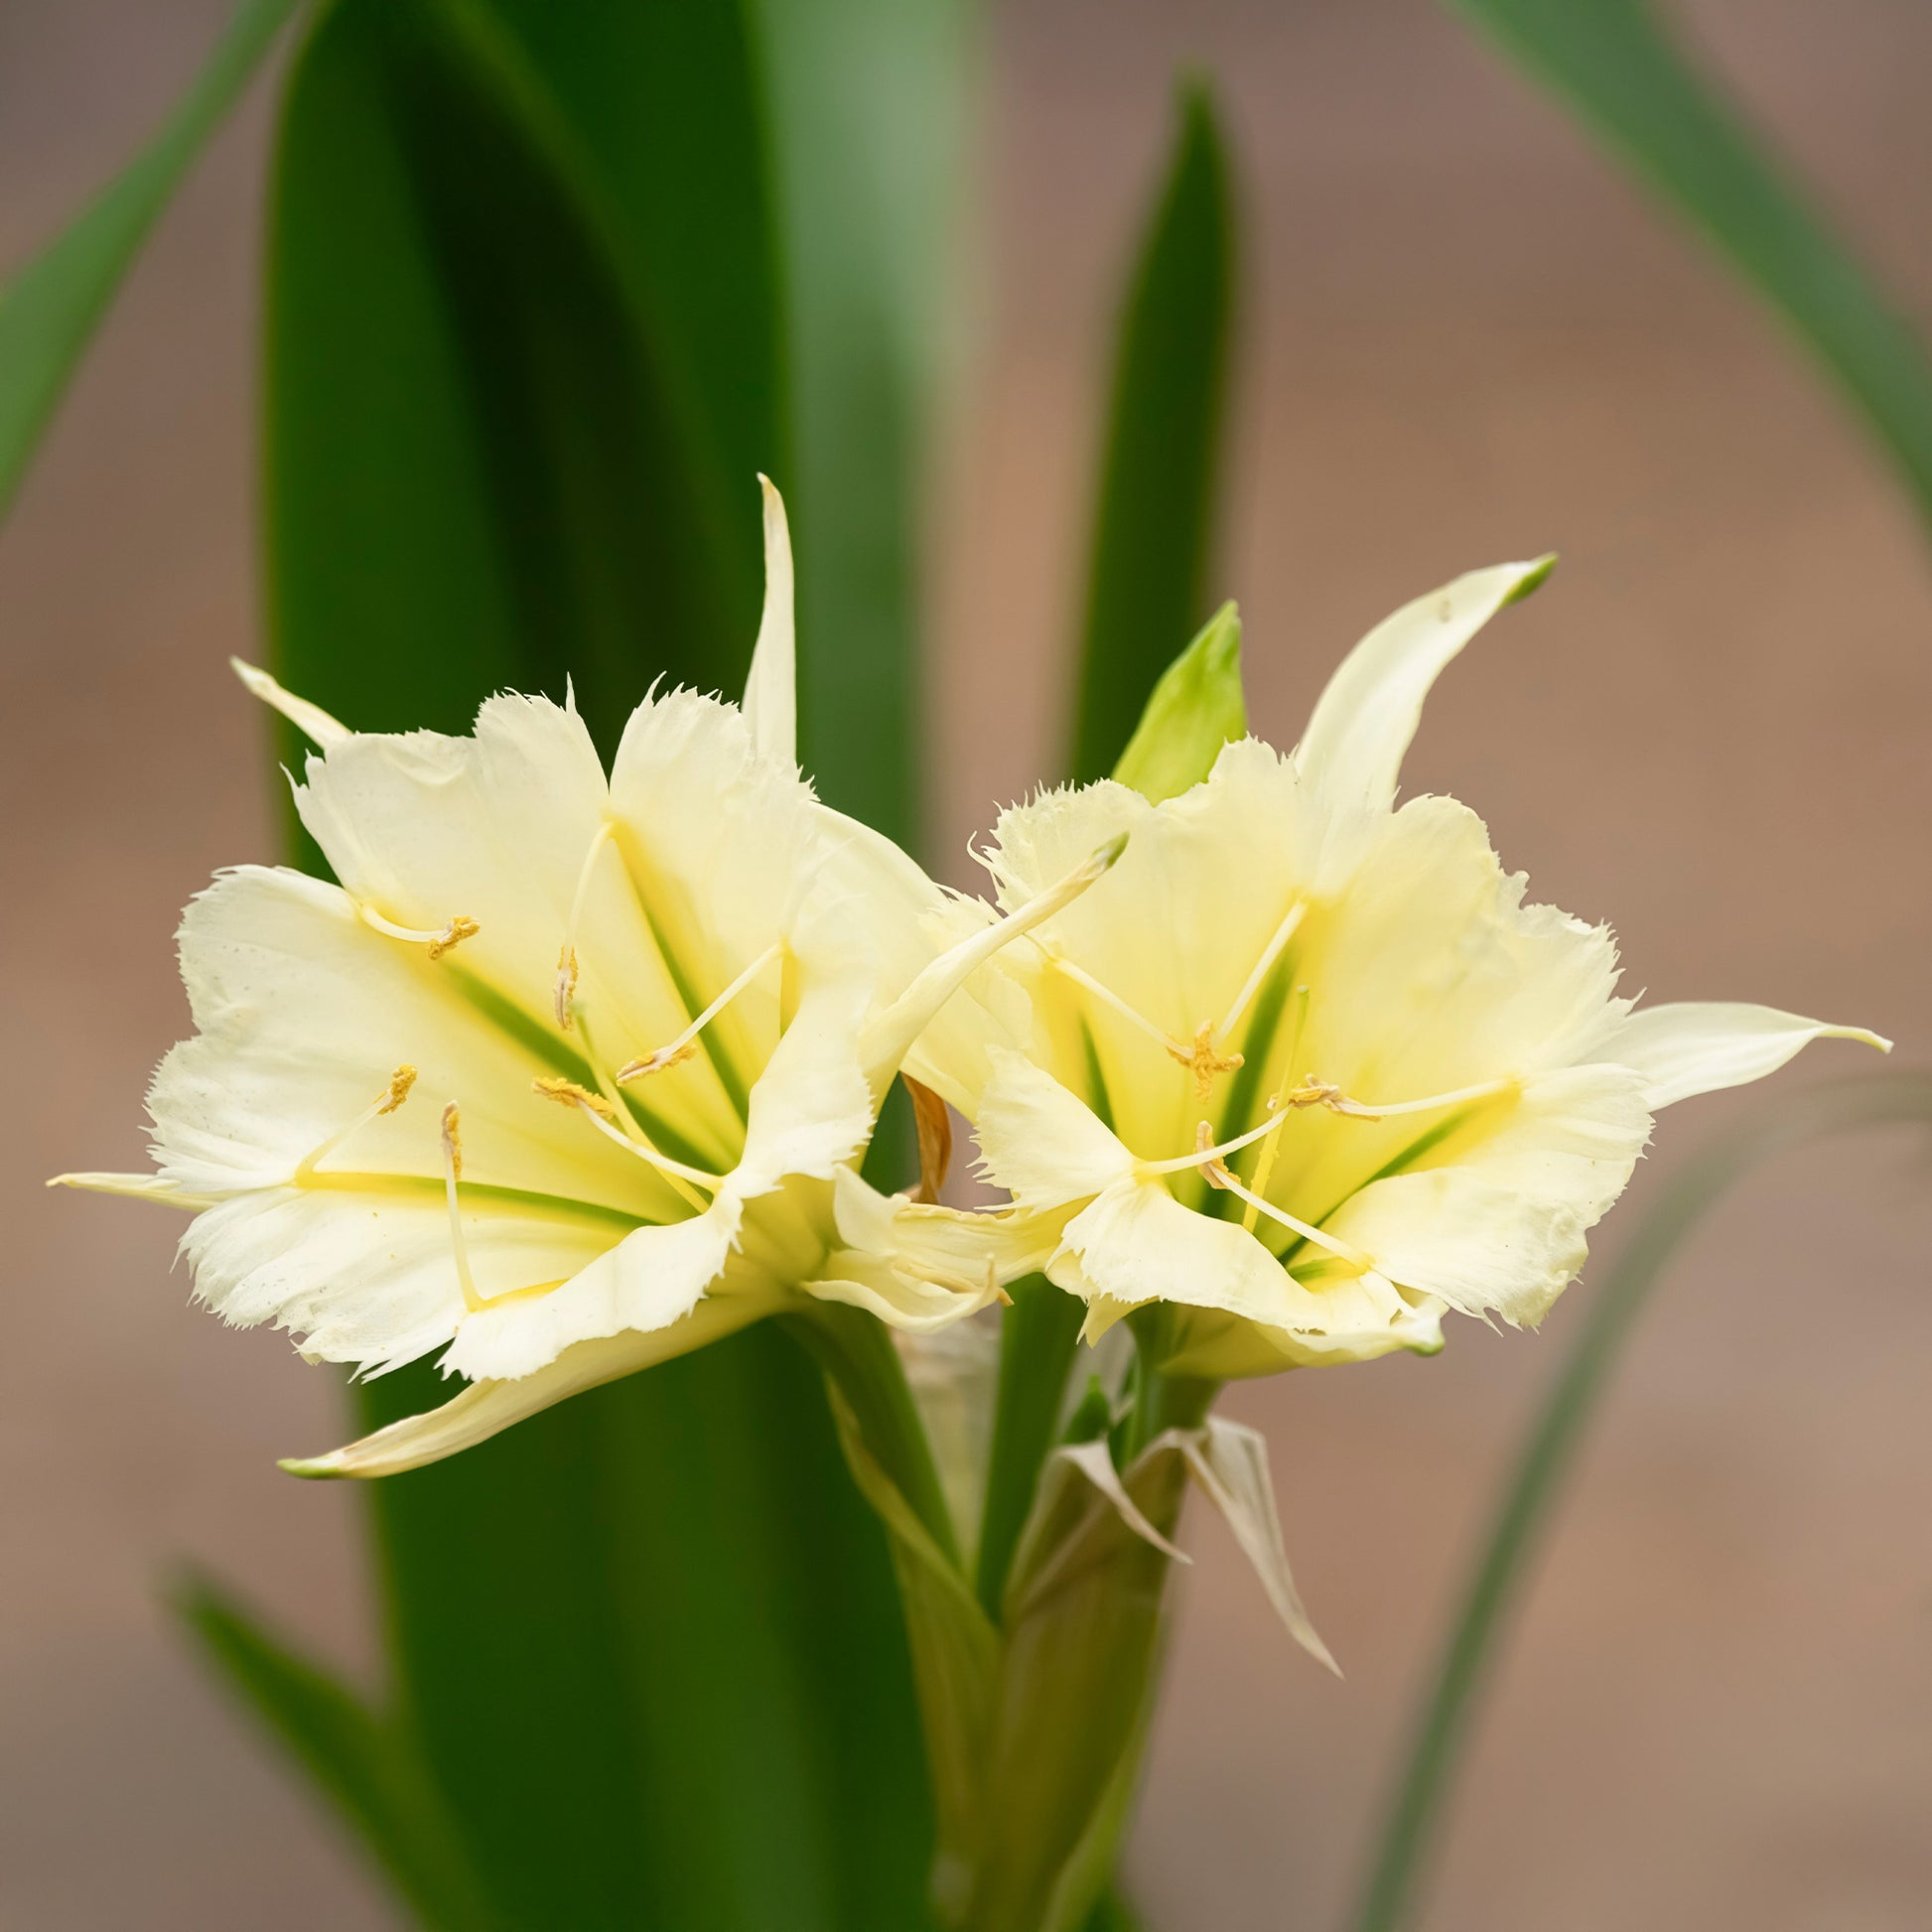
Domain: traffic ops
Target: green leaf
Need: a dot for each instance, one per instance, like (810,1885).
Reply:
(1618,68)
(867,103)
(51,308)
(1528,1496)
(1154,528)
(370,1769)
(1196,708)
(524,356)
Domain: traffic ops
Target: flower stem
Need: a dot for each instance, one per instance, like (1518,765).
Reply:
(1038,1335)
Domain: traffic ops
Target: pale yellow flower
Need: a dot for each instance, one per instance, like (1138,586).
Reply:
(1306,1069)
(564,1077)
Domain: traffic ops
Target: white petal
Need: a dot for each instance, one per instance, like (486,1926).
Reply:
(1504,1226)
(304,1016)
(943,1243)
(1697,1048)
(369,1276)
(309,719)
(1040,1143)
(1230,1463)
(810,1109)
(901,1301)
(770,691)
(652,1278)
(485,1409)
(1362,724)
(1136,1243)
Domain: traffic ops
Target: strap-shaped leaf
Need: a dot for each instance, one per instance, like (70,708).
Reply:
(1534,1486)
(367,1767)
(51,308)
(1631,81)
(524,365)
(866,110)
(1154,527)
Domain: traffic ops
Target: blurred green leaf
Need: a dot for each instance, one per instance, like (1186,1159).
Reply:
(370,1769)
(1197,707)
(1410,1825)
(866,105)
(51,308)
(1154,525)
(1629,80)
(525,352)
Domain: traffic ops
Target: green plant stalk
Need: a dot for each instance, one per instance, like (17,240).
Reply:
(1040,1337)
(1078,1669)
(1413,1816)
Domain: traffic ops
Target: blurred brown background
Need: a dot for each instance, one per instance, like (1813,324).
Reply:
(1468,338)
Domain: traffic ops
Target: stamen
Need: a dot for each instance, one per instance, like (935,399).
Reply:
(1265,1166)
(571,1094)
(566,989)
(1205,1151)
(594,1109)
(1217,1176)
(1365,1110)
(1264,965)
(452,1174)
(386,1102)
(890,1035)
(460,928)
(686,1043)
(1081,977)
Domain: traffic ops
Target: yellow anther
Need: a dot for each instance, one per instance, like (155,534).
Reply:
(453,1139)
(657,1062)
(386,1102)
(570,1094)
(460,928)
(566,985)
(1311,1092)
(1206,1064)
(686,1043)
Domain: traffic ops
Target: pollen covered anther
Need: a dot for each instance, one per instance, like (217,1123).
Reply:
(452,1174)
(568,1093)
(658,1062)
(1203,1060)
(461,926)
(686,1043)
(566,988)
(386,1102)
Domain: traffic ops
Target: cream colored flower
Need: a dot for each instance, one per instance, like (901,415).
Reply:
(560,1078)
(1306,1068)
